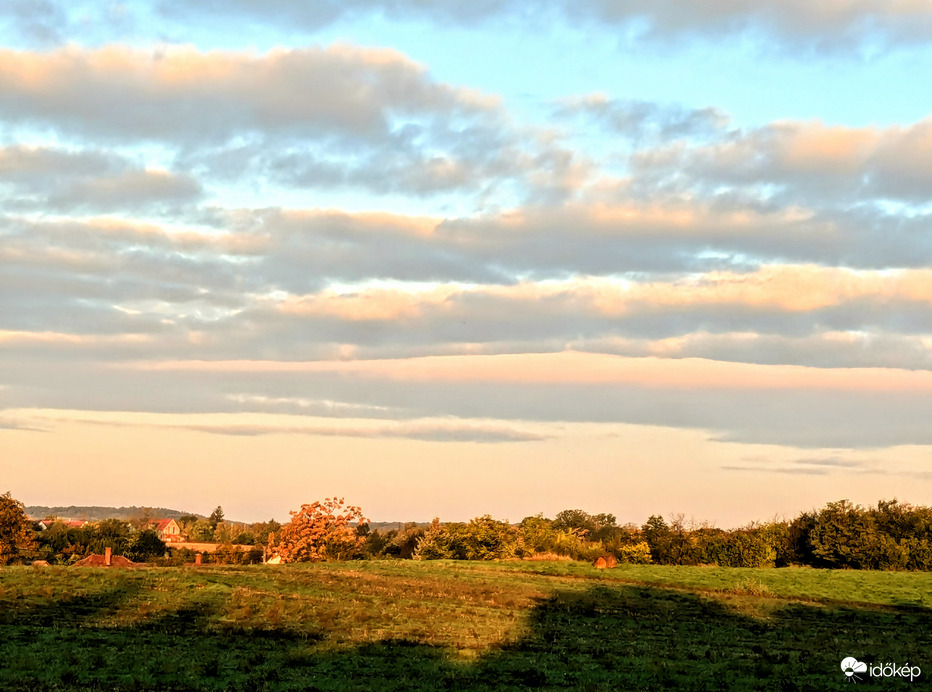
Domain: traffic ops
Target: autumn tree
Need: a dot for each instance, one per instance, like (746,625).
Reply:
(15,529)
(320,531)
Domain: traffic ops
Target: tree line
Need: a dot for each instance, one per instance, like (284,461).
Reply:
(22,540)
(888,536)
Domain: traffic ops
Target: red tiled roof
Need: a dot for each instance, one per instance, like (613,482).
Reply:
(101,561)
(71,524)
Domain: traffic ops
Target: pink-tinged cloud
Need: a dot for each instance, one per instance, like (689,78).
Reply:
(582,368)
(811,160)
(779,288)
(184,95)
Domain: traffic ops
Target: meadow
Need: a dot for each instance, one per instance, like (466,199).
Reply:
(434,625)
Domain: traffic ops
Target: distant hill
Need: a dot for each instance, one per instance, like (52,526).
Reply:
(126,513)
(99,513)
(389,525)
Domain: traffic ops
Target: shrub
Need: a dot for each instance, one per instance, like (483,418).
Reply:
(485,538)
(637,554)
(920,553)
(437,543)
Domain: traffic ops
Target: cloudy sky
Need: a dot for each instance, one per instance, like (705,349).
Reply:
(447,259)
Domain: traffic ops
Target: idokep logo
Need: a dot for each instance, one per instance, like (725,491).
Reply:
(853,669)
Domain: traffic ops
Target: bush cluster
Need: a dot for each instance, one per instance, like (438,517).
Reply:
(840,535)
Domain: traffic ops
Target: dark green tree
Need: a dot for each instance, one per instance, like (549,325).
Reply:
(216,517)
(146,545)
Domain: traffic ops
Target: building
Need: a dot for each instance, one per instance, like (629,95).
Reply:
(67,523)
(167,529)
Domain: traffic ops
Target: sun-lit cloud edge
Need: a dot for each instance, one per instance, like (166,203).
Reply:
(578,367)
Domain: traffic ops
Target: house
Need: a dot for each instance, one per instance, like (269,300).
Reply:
(67,523)
(167,529)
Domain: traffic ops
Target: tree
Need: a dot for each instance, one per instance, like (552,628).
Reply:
(224,533)
(142,519)
(16,533)
(147,544)
(186,521)
(537,533)
(659,537)
(216,517)
(840,534)
(320,531)
(262,530)
(486,538)
(438,543)
(201,531)
(576,521)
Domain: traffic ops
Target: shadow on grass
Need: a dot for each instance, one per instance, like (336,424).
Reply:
(608,637)
(69,610)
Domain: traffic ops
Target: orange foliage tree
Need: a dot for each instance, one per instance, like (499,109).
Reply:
(320,531)
(15,529)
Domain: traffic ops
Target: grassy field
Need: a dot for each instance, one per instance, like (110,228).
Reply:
(387,625)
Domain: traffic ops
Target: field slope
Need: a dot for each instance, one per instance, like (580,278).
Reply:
(445,625)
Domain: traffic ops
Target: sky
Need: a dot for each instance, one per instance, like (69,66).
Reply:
(451,259)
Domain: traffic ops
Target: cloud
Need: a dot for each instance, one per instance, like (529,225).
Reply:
(13,424)
(813,23)
(807,408)
(809,162)
(41,21)
(183,95)
(130,189)
(790,471)
(322,118)
(317,284)
(64,180)
(820,349)
(428,432)
(764,247)
(832,462)
(822,23)
(483,432)
(644,120)
(802,25)
(815,466)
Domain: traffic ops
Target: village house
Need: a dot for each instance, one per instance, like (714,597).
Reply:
(168,530)
(68,523)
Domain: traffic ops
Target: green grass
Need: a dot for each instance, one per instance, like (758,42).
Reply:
(452,625)
(798,583)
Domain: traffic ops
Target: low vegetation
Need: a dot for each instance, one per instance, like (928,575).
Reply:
(890,536)
(433,625)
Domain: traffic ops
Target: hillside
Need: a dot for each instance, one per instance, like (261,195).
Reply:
(99,513)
